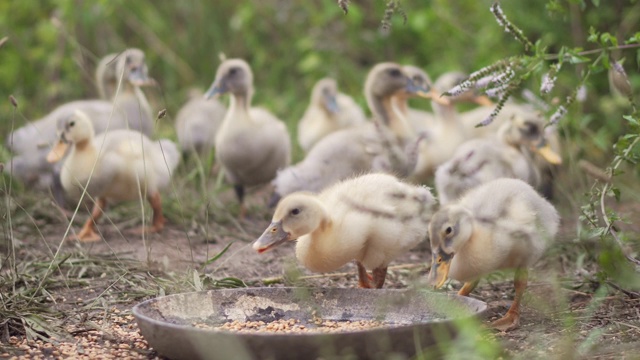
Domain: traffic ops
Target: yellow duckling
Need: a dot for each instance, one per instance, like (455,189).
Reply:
(511,153)
(328,111)
(129,109)
(251,143)
(197,123)
(115,166)
(502,224)
(371,219)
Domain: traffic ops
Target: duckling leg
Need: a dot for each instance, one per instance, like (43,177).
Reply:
(468,287)
(88,232)
(239,189)
(158,219)
(379,275)
(363,276)
(511,319)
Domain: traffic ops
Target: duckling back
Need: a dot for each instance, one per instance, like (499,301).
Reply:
(382,214)
(338,156)
(513,211)
(476,162)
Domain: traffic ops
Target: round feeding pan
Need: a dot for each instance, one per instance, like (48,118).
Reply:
(325,323)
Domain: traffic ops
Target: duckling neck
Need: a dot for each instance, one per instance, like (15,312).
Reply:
(383,110)
(448,117)
(142,99)
(239,108)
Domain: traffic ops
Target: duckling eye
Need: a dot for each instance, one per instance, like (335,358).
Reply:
(395,72)
(233,71)
(72,123)
(448,230)
(295,211)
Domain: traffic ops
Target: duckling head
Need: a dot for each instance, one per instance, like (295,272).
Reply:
(131,63)
(528,130)
(424,85)
(452,79)
(450,228)
(325,94)
(234,76)
(297,214)
(73,129)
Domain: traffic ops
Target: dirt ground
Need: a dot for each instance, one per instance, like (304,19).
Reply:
(598,326)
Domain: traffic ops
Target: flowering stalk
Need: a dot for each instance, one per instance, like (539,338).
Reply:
(509,27)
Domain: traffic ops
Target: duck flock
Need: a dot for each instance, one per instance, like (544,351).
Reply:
(359,194)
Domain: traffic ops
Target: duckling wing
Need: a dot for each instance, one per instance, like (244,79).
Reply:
(197,123)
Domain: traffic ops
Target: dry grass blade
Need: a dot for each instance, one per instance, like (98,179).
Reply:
(3,41)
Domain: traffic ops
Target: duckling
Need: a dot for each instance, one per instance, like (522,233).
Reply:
(32,142)
(371,219)
(502,224)
(197,122)
(349,152)
(419,120)
(328,111)
(114,166)
(510,153)
(251,144)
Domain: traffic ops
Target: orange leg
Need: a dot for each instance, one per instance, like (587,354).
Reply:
(88,232)
(468,287)
(158,219)
(511,320)
(379,275)
(363,276)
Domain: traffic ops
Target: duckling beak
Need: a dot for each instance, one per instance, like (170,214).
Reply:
(139,77)
(273,236)
(548,154)
(483,100)
(434,96)
(58,151)
(331,104)
(214,91)
(439,269)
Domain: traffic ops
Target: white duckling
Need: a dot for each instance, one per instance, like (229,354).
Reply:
(251,144)
(197,123)
(371,219)
(502,224)
(129,109)
(509,154)
(114,166)
(328,111)
(445,130)
(350,152)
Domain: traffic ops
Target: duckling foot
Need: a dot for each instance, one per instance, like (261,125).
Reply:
(87,234)
(148,229)
(510,321)
(364,279)
(379,275)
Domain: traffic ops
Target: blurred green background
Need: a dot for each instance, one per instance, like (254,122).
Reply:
(53,47)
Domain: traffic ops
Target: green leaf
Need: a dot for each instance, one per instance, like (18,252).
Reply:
(217,256)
